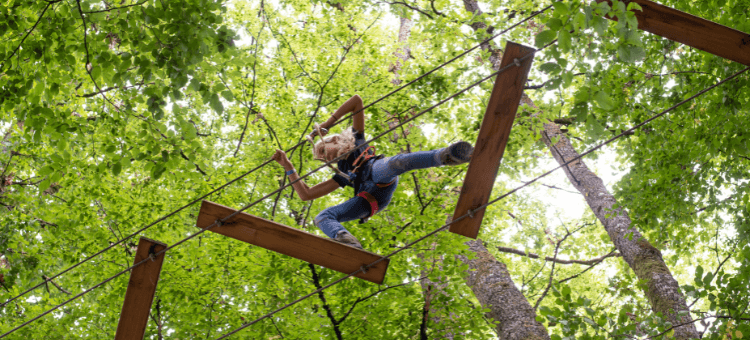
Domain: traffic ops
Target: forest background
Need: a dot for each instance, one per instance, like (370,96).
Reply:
(116,113)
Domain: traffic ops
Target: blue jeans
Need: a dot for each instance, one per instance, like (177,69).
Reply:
(383,171)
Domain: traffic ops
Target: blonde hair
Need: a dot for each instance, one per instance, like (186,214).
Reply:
(346,143)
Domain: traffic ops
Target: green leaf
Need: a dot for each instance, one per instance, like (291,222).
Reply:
(708,278)
(630,53)
(579,22)
(634,5)
(561,9)
(550,67)
(555,24)
(216,104)
(544,38)
(565,41)
(44,185)
(228,95)
(600,25)
(604,101)
(116,168)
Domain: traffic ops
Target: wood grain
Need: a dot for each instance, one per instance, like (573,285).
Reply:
(141,289)
(492,139)
(292,242)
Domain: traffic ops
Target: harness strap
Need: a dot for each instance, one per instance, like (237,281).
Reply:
(360,160)
(373,202)
(386,184)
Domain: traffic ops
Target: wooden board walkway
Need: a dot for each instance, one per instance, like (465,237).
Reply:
(693,31)
(141,290)
(292,242)
(492,139)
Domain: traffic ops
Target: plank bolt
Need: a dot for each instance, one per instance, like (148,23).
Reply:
(218,223)
(517,62)
(471,213)
(363,269)
(152,257)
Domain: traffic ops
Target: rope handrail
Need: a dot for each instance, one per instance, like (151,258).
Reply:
(470,212)
(49,279)
(217,222)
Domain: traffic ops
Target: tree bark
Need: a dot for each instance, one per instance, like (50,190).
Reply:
(430,289)
(403,52)
(489,278)
(661,289)
(496,54)
(491,283)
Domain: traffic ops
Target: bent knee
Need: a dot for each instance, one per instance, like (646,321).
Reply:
(397,163)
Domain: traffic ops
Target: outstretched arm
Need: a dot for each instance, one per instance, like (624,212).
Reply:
(354,104)
(304,192)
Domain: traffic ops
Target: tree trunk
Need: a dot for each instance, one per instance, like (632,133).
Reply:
(496,54)
(489,278)
(491,283)
(661,288)
(403,52)
(430,290)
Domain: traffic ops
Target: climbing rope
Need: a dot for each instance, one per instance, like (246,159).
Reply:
(48,279)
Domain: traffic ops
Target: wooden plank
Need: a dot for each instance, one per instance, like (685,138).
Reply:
(493,136)
(693,31)
(292,242)
(140,293)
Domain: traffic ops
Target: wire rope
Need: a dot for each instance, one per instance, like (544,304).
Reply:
(265,163)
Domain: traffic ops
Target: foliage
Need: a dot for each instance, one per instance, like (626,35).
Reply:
(114,115)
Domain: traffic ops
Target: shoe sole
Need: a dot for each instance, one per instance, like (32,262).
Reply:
(461,151)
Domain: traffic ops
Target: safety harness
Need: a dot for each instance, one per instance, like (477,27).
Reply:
(365,156)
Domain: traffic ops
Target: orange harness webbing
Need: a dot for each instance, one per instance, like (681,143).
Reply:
(363,158)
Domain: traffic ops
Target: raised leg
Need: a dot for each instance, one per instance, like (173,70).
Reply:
(387,169)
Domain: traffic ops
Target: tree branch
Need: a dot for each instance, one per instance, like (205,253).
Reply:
(49,3)
(116,8)
(316,281)
(46,279)
(403,3)
(556,260)
(88,62)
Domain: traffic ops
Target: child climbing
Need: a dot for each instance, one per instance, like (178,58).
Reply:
(374,178)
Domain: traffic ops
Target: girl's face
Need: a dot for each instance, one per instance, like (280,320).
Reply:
(329,149)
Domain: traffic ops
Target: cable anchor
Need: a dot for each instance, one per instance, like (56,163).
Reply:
(517,62)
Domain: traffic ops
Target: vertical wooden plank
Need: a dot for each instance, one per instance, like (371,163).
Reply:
(141,290)
(493,136)
(693,31)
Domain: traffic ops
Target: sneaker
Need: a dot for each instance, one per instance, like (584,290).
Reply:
(348,239)
(456,154)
